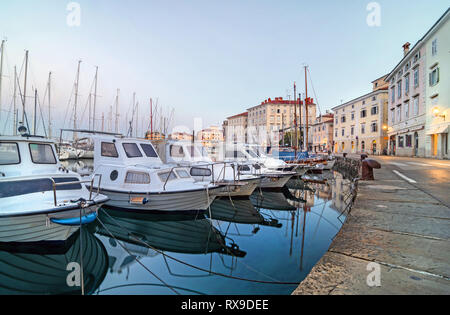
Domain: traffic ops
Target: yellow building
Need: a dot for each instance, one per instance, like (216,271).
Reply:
(236,128)
(360,125)
(181,136)
(267,119)
(322,133)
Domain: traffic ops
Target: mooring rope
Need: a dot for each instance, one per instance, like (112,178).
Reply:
(196,267)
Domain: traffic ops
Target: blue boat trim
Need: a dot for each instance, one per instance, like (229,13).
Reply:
(75,221)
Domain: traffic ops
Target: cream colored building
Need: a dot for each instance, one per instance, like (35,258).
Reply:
(267,119)
(210,137)
(181,136)
(360,125)
(322,133)
(437,92)
(236,128)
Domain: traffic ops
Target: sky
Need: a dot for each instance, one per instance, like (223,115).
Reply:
(202,58)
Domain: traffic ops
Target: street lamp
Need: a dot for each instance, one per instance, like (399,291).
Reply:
(436,112)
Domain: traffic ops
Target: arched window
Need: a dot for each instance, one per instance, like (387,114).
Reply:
(363,145)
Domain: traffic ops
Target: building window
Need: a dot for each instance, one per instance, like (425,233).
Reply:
(399,89)
(393,115)
(363,146)
(337,120)
(374,110)
(407,84)
(353,116)
(374,127)
(393,94)
(416,105)
(434,47)
(343,119)
(363,128)
(406,105)
(399,113)
(343,131)
(374,98)
(400,142)
(416,77)
(352,130)
(434,77)
(408,141)
(336,133)
(363,113)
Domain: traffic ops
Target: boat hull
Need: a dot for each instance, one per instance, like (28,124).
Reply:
(274,181)
(39,227)
(191,200)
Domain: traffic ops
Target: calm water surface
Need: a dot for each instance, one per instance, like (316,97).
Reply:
(273,236)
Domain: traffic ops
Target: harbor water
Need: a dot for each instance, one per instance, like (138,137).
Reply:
(265,244)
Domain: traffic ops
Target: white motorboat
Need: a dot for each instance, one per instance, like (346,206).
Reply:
(202,168)
(248,163)
(42,199)
(135,178)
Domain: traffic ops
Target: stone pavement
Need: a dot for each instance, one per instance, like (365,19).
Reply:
(397,225)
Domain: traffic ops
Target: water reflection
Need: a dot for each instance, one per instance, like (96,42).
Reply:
(266,244)
(26,269)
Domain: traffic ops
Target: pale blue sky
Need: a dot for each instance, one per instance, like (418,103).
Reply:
(208,58)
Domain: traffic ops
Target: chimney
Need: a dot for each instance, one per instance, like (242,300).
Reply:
(406,48)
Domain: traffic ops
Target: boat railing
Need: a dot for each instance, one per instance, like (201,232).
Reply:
(91,182)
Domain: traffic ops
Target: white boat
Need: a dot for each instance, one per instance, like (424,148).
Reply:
(249,163)
(135,178)
(202,168)
(40,198)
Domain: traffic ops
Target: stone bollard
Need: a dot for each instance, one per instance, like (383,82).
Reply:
(367,167)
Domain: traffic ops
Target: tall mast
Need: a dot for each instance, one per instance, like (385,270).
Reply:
(49,103)
(137,119)
(151,118)
(14,101)
(90,111)
(95,98)
(25,88)
(306,110)
(35,111)
(300,118)
(295,122)
(2,48)
(116,128)
(76,101)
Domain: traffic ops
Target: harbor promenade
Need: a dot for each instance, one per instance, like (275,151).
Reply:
(401,222)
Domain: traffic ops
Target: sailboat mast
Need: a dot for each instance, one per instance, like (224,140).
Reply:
(2,48)
(295,122)
(49,104)
(14,102)
(306,111)
(35,111)
(151,118)
(116,128)
(95,98)
(25,88)
(76,101)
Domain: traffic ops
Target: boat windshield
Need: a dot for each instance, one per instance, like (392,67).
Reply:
(252,153)
(42,153)
(132,150)
(148,150)
(9,153)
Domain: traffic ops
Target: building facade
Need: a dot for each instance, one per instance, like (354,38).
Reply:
(437,91)
(419,96)
(360,125)
(181,136)
(236,128)
(322,133)
(266,120)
